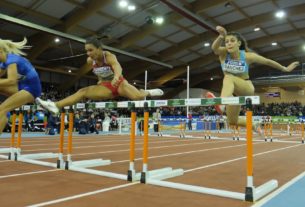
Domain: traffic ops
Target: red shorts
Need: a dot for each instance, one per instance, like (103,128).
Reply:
(114,90)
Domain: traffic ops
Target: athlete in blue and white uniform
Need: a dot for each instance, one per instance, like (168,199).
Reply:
(22,84)
(235,59)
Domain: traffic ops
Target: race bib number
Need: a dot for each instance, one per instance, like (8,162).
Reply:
(234,66)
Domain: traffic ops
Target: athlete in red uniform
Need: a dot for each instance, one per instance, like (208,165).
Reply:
(111,82)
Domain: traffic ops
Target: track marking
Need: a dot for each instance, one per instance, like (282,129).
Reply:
(82,195)
(240,158)
(28,173)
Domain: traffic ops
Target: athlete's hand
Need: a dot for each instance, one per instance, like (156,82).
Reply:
(221,30)
(115,82)
(292,66)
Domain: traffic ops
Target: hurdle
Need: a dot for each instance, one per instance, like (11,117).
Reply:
(252,193)
(36,157)
(84,165)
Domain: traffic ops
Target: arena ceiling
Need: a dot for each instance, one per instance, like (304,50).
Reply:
(177,43)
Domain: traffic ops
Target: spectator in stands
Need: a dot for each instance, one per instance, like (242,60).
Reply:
(92,124)
(22,84)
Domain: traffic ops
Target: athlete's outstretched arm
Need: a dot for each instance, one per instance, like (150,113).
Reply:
(255,58)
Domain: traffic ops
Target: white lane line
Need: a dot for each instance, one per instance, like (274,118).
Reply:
(160,147)
(96,146)
(28,173)
(240,158)
(82,195)
(183,153)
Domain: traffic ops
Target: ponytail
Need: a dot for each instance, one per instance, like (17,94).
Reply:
(14,47)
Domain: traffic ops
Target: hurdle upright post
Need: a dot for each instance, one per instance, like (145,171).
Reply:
(249,187)
(61,139)
(20,121)
(13,130)
(70,132)
(145,145)
(131,171)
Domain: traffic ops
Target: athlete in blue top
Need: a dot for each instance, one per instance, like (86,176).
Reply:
(235,59)
(22,84)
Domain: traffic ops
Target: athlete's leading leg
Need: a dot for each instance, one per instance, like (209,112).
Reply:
(95,92)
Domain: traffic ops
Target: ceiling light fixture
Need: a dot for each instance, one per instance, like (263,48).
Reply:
(274,43)
(123,3)
(206,44)
(159,20)
(131,7)
(257,29)
(280,14)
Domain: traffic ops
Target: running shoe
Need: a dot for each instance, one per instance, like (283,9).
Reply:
(155,92)
(48,105)
(219,108)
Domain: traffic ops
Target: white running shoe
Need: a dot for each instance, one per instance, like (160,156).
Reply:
(155,92)
(48,105)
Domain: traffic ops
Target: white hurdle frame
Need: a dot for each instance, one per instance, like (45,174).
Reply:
(34,158)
